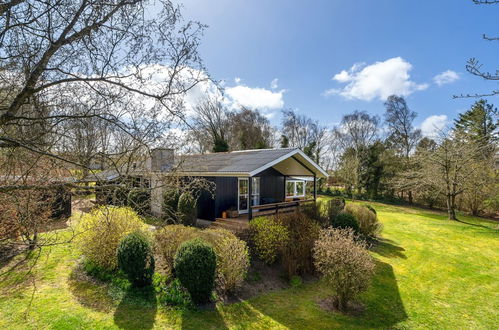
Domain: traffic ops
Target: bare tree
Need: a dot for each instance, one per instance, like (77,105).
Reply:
(248,129)
(210,124)
(356,131)
(86,80)
(447,169)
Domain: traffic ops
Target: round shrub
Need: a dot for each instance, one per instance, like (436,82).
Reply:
(232,258)
(135,258)
(168,240)
(195,264)
(268,237)
(100,232)
(345,264)
(187,209)
(345,220)
(333,207)
(368,221)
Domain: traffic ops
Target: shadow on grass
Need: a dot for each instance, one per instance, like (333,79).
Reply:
(383,306)
(89,292)
(387,248)
(137,309)
(203,319)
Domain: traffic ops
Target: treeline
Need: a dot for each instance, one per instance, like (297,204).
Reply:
(375,158)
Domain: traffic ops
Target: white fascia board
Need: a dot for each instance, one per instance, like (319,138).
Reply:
(286,156)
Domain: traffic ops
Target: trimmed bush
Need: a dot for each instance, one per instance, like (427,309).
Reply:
(345,220)
(100,232)
(368,221)
(268,237)
(187,209)
(296,251)
(345,264)
(232,258)
(333,207)
(195,264)
(168,240)
(135,258)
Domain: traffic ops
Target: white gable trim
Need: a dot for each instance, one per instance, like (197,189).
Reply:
(286,156)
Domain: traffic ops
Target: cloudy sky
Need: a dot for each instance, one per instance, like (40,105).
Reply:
(326,58)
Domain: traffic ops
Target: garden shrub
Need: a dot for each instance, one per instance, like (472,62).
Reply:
(268,237)
(333,207)
(232,258)
(345,264)
(187,209)
(170,204)
(314,211)
(372,209)
(174,294)
(135,258)
(100,232)
(368,221)
(140,201)
(169,238)
(195,265)
(297,256)
(345,220)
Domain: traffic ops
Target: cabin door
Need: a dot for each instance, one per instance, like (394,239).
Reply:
(242,195)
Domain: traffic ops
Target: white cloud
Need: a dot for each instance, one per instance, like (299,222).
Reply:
(446,77)
(274,84)
(237,80)
(255,98)
(432,125)
(378,80)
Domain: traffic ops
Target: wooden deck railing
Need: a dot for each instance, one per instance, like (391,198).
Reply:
(276,208)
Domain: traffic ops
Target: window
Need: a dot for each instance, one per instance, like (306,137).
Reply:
(295,188)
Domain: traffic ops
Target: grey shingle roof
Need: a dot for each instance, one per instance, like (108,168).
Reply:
(228,162)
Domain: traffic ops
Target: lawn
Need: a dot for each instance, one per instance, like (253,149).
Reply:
(431,273)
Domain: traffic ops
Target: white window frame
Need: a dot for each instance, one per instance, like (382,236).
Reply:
(294,188)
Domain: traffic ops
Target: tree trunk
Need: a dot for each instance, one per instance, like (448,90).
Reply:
(410,197)
(451,208)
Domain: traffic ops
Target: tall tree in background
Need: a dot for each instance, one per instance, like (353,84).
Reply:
(210,124)
(479,125)
(401,132)
(355,132)
(248,129)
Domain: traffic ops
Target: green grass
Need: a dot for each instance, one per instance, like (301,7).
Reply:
(431,273)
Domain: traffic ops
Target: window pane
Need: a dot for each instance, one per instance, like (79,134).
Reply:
(290,188)
(300,191)
(243,187)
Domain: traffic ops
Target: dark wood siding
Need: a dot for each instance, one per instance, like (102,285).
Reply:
(271,186)
(225,197)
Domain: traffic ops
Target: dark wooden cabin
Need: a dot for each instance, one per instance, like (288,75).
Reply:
(278,177)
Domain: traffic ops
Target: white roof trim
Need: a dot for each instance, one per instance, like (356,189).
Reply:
(286,156)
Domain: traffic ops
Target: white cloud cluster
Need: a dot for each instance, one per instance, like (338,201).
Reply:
(378,80)
(255,97)
(274,84)
(446,77)
(433,125)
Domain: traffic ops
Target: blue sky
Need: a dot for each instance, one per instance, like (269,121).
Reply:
(302,46)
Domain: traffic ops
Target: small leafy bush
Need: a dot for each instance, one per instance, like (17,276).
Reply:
(195,265)
(174,294)
(345,220)
(297,249)
(187,209)
(368,221)
(168,240)
(232,258)
(345,264)
(295,281)
(315,212)
(333,207)
(135,258)
(100,232)
(268,237)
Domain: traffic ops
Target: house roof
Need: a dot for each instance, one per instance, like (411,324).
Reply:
(288,161)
